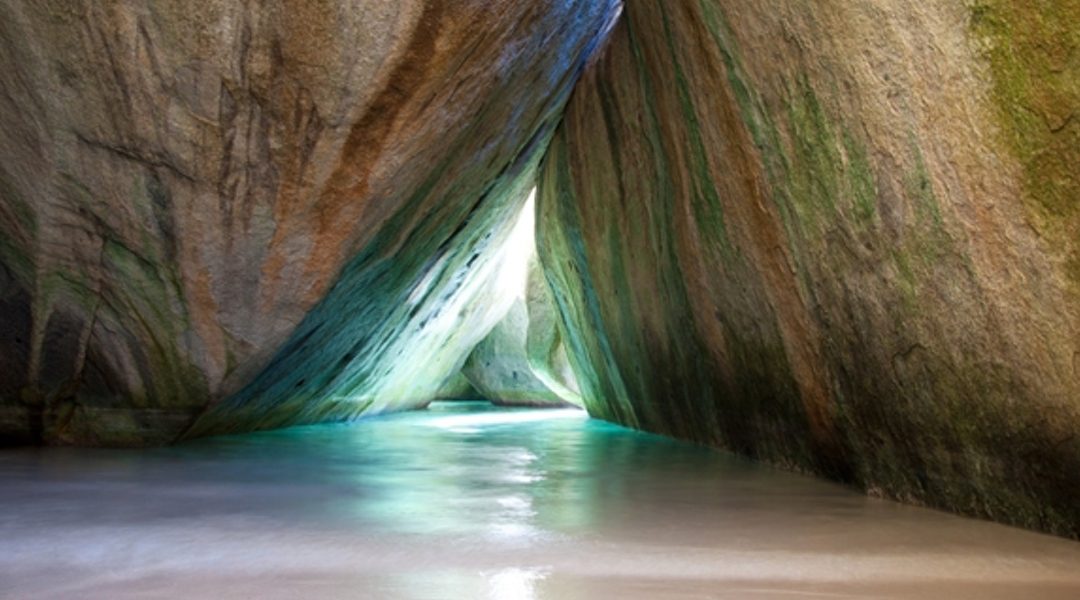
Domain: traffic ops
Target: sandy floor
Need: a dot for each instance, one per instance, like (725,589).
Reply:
(461,502)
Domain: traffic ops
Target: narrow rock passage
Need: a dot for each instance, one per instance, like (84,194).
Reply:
(466,501)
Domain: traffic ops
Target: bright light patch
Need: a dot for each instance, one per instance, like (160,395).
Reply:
(443,328)
(518,249)
(518,502)
(473,422)
(514,584)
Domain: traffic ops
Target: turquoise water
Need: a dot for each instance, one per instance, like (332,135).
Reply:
(466,501)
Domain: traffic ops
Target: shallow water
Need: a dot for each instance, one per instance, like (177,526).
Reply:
(463,501)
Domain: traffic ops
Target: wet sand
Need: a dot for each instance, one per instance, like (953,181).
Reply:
(464,501)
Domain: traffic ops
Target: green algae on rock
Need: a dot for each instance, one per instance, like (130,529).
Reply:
(1033,51)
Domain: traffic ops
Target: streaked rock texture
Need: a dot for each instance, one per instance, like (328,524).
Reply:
(280,211)
(839,236)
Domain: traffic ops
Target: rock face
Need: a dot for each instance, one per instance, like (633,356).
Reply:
(841,237)
(522,361)
(255,214)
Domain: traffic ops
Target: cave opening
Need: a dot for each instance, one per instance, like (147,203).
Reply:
(519,361)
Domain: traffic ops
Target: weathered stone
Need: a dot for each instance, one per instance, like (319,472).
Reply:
(259,214)
(457,387)
(521,362)
(839,237)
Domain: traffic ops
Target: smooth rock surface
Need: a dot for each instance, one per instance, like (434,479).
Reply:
(522,361)
(276,211)
(839,237)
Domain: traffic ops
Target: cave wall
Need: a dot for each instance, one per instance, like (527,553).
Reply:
(254,214)
(841,237)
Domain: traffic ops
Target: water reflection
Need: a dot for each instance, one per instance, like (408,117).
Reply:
(462,469)
(466,501)
(515,584)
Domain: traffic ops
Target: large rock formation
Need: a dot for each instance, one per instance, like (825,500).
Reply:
(260,213)
(838,236)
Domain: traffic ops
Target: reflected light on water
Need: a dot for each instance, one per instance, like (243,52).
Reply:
(522,504)
(475,422)
(515,584)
